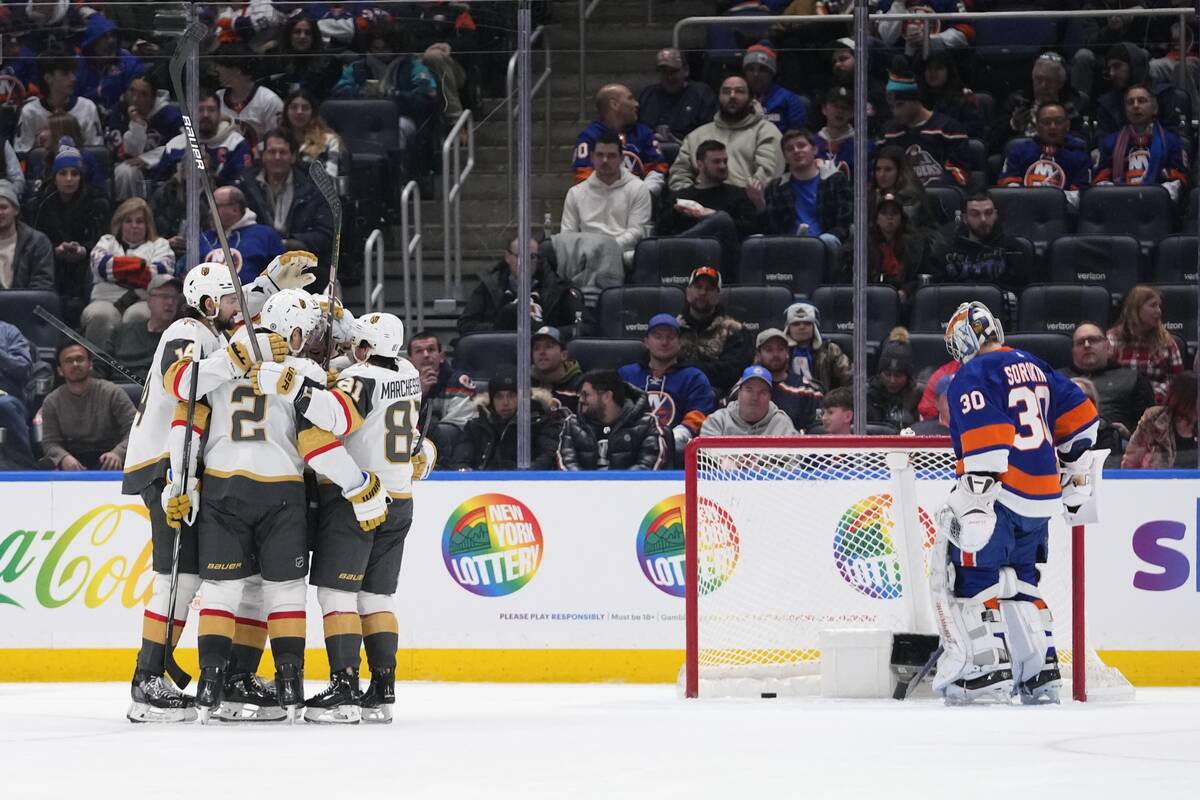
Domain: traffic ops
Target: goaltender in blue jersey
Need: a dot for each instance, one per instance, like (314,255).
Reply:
(1021,433)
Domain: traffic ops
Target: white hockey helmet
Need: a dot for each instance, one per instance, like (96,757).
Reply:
(208,279)
(289,309)
(383,332)
(971,325)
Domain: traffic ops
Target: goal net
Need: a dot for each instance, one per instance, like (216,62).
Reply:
(788,537)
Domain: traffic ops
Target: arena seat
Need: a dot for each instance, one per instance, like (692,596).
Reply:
(932,306)
(1143,212)
(1175,260)
(671,259)
(1179,311)
(623,311)
(945,202)
(757,307)
(1108,261)
(928,350)
(605,353)
(836,307)
(132,391)
(1053,348)
(481,354)
(977,181)
(1038,214)
(1058,308)
(370,130)
(798,263)
(16,308)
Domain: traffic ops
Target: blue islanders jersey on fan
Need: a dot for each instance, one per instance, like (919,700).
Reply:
(1031,163)
(638,146)
(1010,413)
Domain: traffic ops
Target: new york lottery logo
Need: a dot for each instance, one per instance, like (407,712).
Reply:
(492,545)
(660,550)
(864,550)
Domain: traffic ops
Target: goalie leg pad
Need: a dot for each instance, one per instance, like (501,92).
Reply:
(1030,627)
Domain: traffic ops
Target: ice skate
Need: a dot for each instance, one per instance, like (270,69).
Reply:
(379,697)
(991,688)
(289,689)
(157,700)
(339,702)
(248,698)
(1042,689)
(209,691)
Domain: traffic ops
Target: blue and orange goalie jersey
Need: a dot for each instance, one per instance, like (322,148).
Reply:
(639,148)
(1011,413)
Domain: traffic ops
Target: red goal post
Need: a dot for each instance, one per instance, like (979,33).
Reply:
(762,577)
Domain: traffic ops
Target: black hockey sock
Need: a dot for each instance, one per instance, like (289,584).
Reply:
(286,629)
(215,637)
(154,640)
(249,639)
(381,637)
(343,639)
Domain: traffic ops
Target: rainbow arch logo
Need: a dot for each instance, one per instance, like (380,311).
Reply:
(864,550)
(661,546)
(492,545)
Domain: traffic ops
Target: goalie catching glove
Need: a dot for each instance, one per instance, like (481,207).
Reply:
(181,503)
(1078,480)
(972,500)
(370,502)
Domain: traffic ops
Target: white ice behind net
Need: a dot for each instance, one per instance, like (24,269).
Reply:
(795,540)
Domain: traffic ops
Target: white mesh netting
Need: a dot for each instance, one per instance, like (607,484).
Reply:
(792,540)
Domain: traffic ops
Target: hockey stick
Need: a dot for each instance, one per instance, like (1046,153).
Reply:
(97,353)
(181,678)
(904,689)
(192,36)
(321,178)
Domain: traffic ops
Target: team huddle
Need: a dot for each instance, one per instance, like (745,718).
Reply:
(219,451)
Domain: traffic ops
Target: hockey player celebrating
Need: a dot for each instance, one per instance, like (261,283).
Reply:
(1021,432)
(374,406)
(209,291)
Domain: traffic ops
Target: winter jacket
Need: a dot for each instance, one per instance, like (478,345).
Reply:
(488,443)
(835,205)
(33,260)
(309,219)
(728,422)
(719,345)
(228,154)
(104,81)
(823,363)
(635,440)
(897,264)
(1031,163)
(492,305)
(937,150)
(16,361)
(404,79)
(156,256)
(1124,393)
(163,124)
(252,245)
(1110,106)
(679,114)
(840,152)
(1153,443)
(566,389)
(996,259)
(898,410)
(82,219)
(620,210)
(722,197)
(751,142)
(680,396)
(449,401)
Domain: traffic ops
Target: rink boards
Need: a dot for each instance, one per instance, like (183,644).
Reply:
(538,577)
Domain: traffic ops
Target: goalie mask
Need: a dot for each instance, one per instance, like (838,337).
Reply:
(383,333)
(207,280)
(290,310)
(971,325)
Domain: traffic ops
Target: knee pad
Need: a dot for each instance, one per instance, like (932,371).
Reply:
(222,595)
(184,592)
(971,628)
(335,601)
(284,595)
(252,600)
(369,603)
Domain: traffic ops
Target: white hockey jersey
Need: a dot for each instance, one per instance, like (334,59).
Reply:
(389,402)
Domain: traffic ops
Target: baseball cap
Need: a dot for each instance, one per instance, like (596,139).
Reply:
(549,332)
(756,371)
(158,281)
(669,57)
(839,94)
(705,272)
(845,43)
(767,335)
(802,312)
(659,320)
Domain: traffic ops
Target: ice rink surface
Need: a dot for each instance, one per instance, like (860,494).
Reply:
(606,741)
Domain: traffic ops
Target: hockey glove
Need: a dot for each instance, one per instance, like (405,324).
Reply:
(277,379)
(369,501)
(1078,479)
(288,271)
(331,377)
(341,319)
(971,500)
(181,504)
(424,460)
(241,357)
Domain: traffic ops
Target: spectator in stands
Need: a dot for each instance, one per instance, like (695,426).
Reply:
(675,106)
(812,199)
(1100,34)
(38,163)
(445,392)
(251,23)
(712,207)
(251,243)
(795,396)
(893,174)
(679,394)
(835,141)
(1141,341)
(489,441)
(814,359)
(105,69)
(1054,157)
(1109,436)
(781,107)
(16,366)
(841,62)
(302,63)
(942,91)
(12,168)
(137,339)
(935,144)
(124,263)
(912,35)
(1166,434)
(1127,65)
(612,202)
(243,99)
(751,141)
(86,421)
(837,413)
(981,252)
(58,94)
(389,70)
(281,194)
(553,368)
(72,215)
(939,424)
(752,413)
(615,428)
(1049,84)
(927,408)
(895,255)
(556,301)
(227,152)
(1143,153)
(711,339)
(315,139)
(147,123)
(169,204)
(1124,393)
(892,395)
(26,255)
(616,114)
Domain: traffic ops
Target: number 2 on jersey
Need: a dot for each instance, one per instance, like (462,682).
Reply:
(1033,404)
(248,422)
(399,421)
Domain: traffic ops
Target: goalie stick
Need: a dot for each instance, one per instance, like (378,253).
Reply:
(97,353)
(904,689)
(324,183)
(192,36)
